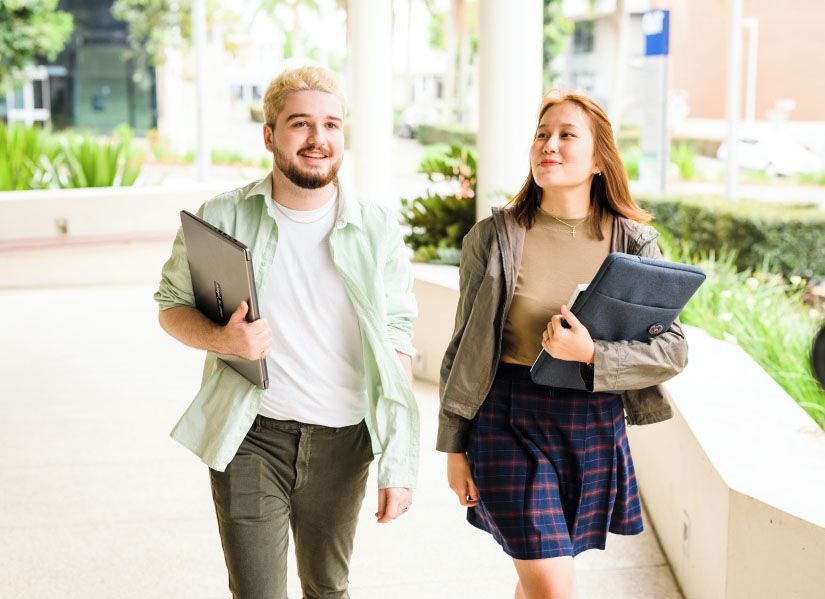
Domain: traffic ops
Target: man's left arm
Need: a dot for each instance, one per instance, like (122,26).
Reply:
(401,312)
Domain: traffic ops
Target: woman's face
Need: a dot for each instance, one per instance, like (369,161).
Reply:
(562,154)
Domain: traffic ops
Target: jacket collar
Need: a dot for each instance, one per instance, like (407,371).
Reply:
(629,236)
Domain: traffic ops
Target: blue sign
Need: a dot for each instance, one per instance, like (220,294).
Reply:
(656,27)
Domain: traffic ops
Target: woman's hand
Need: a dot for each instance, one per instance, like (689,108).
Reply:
(460,479)
(573,344)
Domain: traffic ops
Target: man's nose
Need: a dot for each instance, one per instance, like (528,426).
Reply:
(316,134)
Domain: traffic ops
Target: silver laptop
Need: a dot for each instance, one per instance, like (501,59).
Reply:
(222,277)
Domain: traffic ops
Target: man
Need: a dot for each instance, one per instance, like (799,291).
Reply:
(334,287)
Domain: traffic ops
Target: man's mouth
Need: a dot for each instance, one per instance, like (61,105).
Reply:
(313,154)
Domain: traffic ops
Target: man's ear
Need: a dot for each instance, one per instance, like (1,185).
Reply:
(268,137)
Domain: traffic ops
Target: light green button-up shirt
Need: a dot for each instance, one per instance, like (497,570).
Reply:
(368,252)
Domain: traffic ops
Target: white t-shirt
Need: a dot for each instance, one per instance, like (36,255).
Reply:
(316,366)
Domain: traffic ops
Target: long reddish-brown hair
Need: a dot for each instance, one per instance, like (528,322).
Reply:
(609,191)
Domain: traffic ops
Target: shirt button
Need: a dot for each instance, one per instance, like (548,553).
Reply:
(340,224)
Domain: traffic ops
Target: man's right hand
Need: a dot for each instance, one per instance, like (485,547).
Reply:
(249,340)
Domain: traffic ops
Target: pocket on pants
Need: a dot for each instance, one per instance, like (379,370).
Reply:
(239,490)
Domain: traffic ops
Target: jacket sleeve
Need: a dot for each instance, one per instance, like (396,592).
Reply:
(453,429)
(627,365)
(398,285)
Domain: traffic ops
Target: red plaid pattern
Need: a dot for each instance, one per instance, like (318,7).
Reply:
(552,467)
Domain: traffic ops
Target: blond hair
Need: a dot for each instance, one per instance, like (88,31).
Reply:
(295,80)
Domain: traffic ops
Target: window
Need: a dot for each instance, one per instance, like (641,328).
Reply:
(583,37)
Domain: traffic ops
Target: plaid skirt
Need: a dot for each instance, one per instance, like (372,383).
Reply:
(552,467)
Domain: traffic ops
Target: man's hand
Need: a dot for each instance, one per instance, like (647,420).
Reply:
(461,479)
(392,503)
(249,340)
(574,344)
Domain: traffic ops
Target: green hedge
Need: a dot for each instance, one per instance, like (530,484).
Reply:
(781,238)
(445,134)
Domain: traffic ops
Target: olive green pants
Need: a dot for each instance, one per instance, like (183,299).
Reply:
(306,476)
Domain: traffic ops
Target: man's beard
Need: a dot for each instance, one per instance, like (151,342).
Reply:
(303,178)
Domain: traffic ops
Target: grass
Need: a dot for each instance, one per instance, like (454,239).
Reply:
(684,157)
(765,316)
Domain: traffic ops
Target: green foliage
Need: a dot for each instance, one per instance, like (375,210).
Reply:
(812,178)
(97,162)
(787,239)
(437,30)
(36,158)
(28,157)
(439,222)
(156,24)
(684,157)
(763,314)
(30,28)
(153,24)
(445,134)
(557,32)
(630,158)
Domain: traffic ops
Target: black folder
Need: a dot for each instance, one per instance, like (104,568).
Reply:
(630,299)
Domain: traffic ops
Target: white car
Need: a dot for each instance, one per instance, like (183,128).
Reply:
(773,156)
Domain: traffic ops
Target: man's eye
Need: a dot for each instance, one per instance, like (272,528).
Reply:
(332,125)
(299,124)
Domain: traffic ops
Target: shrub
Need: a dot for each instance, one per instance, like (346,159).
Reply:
(87,161)
(438,222)
(446,134)
(630,158)
(782,238)
(683,156)
(761,313)
(812,178)
(28,157)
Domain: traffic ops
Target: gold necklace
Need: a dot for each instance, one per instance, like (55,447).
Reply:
(568,225)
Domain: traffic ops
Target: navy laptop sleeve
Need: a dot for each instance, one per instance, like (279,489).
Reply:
(632,299)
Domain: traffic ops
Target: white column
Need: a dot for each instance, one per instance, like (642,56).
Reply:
(369,24)
(734,97)
(510,87)
(203,156)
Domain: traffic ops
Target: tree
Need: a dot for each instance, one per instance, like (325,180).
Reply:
(157,24)
(28,29)
(557,31)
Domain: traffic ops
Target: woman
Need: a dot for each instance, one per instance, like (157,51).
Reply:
(547,471)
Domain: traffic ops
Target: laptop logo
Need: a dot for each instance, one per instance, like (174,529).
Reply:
(219,299)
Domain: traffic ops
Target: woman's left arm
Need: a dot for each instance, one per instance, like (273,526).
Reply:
(626,365)
(618,365)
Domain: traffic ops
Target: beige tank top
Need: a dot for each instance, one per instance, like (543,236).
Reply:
(553,262)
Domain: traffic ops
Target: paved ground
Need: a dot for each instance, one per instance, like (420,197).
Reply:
(98,502)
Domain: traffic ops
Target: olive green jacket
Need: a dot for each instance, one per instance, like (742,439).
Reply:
(490,260)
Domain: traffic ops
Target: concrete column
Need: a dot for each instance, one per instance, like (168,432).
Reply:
(203,154)
(510,87)
(369,68)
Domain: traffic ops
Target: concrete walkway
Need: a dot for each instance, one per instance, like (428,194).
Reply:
(97,502)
